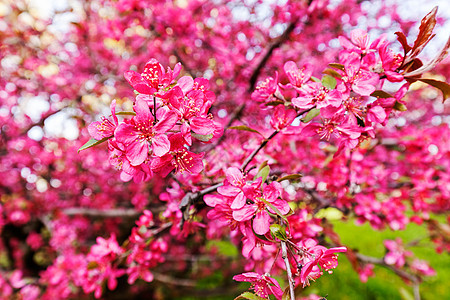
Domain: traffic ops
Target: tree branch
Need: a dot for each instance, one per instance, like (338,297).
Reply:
(403,274)
(288,269)
(109,213)
(279,41)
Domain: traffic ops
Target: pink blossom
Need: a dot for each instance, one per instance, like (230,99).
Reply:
(144,129)
(263,285)
(104,128)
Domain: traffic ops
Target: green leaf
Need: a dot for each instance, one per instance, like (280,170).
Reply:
(332,72)
(278,231)
(315,79)
(274,209)
(93,142)
(292,177)
(337,66)
(329,82)
(443,86)
(381,94)
(263,164)
(200,137)
(400,106)
(311,115)
(245,128)
(264,172)
(248,296)
(125,113)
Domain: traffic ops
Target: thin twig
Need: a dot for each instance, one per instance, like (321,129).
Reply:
(284,37)
(288,269)
(253,154)
(108,213)
(405,275)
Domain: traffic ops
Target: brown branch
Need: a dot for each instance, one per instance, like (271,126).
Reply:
(174,281)
(253,154)
(403,274)
(108,213)
(279,41)
(288,270)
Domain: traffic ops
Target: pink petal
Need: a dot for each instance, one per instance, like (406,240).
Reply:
(239,201)
(160,144)
(261,223)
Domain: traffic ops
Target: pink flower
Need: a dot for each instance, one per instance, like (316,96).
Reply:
(265,89)
(422,267)
(234,187)
(282,117)
(297,77)
(314,94)
(263,285)
(142,130)
(317,255)
(390,63)
(192,110)
(365,272)
(258,209)
(178,158)
(396,253)
(153,78)
(361,81)
(104,128)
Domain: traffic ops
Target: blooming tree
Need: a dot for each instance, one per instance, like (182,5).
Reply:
(229,123)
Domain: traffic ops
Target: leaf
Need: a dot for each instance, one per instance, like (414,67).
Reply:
(315,79)
(264,172)
(276,210)
(92,143)
(311,115)
(263,164)
(292,177)
(429,66)
(402,39)
(278,231)
(332,72)
(274,103)
(125,113)
(381,94)
(248,296)
(400,106)
(92,265)
(425,33)
(443,86)
(337,66)
(245,128)
(329,82)
(286,294)
(203,138)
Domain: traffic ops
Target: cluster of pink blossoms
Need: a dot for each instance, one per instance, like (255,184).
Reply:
(348,98)
(168,115)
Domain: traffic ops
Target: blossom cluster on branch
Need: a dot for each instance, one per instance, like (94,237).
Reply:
(231,137)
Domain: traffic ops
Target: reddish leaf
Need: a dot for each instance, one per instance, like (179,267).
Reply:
(381,94)
(425,33)
(443,86)
(337,66)
(429,66)
(402,39)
